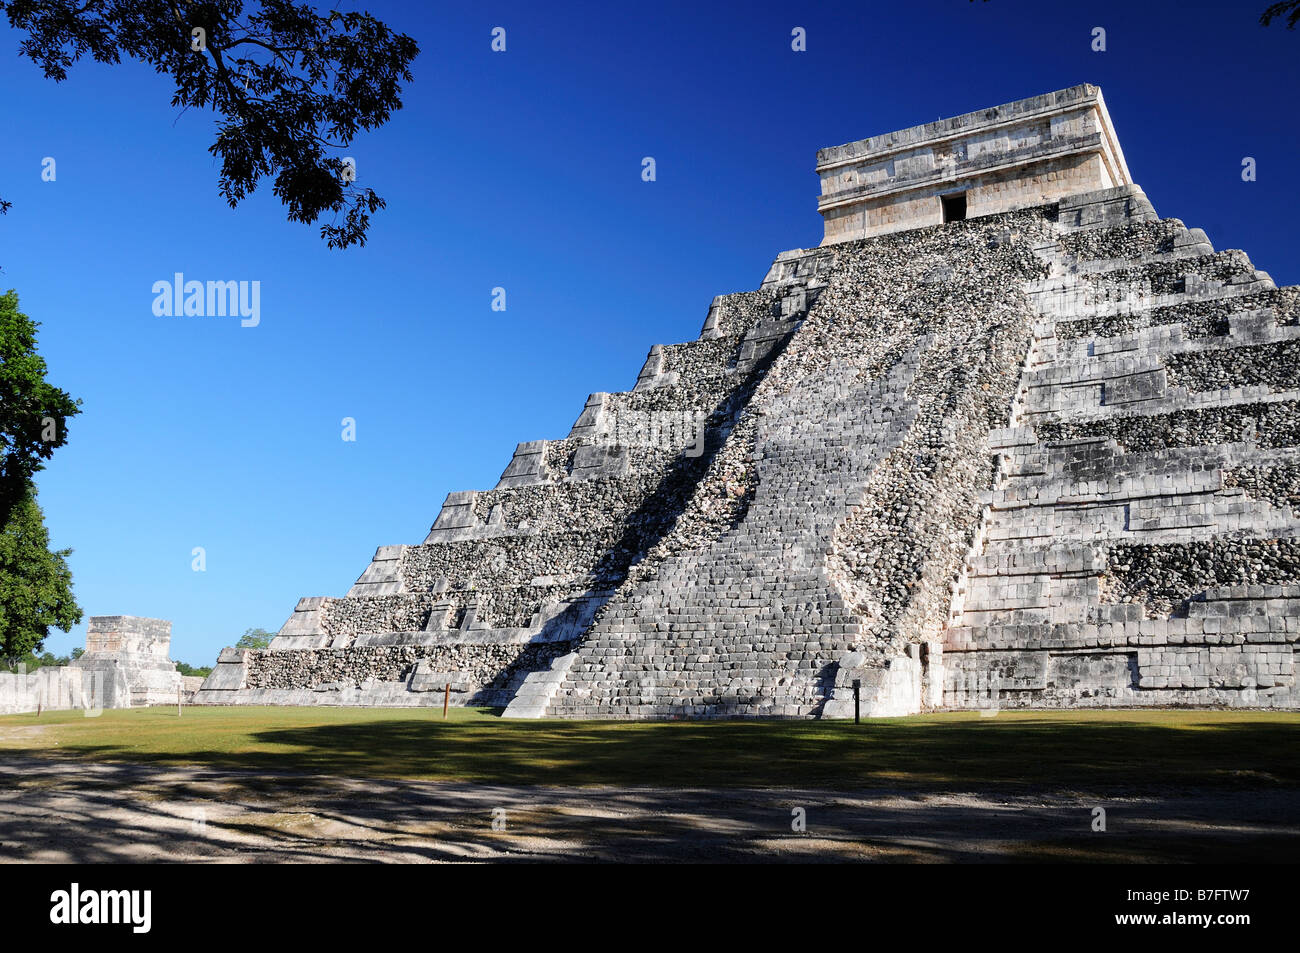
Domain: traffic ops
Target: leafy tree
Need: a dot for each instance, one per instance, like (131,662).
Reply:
(254,639)
(35,584)
(33,413)
(193,670)
(1276,11)
(290,87)
(31,662)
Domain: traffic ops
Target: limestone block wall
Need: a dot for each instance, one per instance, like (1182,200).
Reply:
(126,663)
(1140,547)
(1019,155)
(127,633)
(1022,186)
(61,687)
(477,673)
(133,651)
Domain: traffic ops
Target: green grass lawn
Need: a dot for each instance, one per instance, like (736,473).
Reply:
(1082,751)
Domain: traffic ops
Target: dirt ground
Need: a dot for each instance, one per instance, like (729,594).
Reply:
(54,810)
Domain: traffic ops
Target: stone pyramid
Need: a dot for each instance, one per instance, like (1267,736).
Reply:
(1005,439)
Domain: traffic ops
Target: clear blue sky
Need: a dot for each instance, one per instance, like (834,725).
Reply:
(519,170)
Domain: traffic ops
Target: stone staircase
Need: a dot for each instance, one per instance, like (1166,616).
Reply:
(753,625)
(779,615)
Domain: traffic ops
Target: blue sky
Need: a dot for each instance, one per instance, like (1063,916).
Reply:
(521,170)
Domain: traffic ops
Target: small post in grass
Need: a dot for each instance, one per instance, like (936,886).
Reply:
(178,701)
(446,701)
(857,695)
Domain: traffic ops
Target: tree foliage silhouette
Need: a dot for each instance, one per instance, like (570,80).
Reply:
(35,583)
(291,87)
(33,412)
(1290,9)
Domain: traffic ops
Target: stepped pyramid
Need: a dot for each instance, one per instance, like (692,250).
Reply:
(1005,439)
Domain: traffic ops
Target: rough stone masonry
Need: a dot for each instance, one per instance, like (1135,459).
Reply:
(1004,439)
(125,664)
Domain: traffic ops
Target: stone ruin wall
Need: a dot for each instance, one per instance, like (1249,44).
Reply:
(126,663)
(1019,155)
(486,674)
(52,688)
(993,193)
(133,634)
(1141,547)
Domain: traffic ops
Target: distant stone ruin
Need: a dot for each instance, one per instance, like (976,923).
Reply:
(126,664)
(134,655)
(1005,439)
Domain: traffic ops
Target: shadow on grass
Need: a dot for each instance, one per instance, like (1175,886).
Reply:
(1117,754)
(117,812)
(286,785)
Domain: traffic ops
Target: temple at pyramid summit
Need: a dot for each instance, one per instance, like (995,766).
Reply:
(1016,156)
(1005,439)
